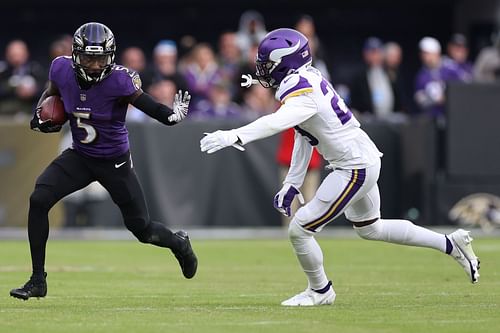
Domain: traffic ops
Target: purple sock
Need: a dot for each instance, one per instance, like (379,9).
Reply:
(324,289)
(449,245)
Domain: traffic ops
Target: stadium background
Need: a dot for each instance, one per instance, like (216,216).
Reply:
(234,189)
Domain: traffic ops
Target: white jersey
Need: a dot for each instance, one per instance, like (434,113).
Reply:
(321,119)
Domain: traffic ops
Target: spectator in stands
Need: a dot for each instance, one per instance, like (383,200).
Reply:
(184,51)
(393,57)
(257,101)
(487,65)
(458,52)
(371,89)
(430,83)
(247,67)
(251,31)
(305,25)
(165,64)
(164,92)
(20,80)
(134,58)
(61,47)
(217,104)
(202,72)
(229,60)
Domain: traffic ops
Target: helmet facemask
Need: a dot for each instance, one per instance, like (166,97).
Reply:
(263,73)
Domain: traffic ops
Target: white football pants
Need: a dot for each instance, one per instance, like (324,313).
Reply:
(355,193)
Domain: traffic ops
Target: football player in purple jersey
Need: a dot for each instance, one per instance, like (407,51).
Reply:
(96,92)
(321,119)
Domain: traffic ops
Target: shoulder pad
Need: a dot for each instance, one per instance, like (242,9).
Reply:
(133,75)
(61,60)
(293,85)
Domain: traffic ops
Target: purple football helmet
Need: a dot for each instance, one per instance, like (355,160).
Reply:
(280,53)
(93,43)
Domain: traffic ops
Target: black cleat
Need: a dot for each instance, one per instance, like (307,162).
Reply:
(185,255)
(35,287)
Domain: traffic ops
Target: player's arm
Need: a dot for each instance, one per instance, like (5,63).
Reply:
(36,123)
(159,111)
(301,156)
(294,111)
(51,90)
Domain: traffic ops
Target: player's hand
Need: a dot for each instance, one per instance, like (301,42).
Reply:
(283,199)
(215,141)
(40,125)
(180,107)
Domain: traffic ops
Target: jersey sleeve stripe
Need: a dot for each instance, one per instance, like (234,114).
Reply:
(302,84)
(297,93)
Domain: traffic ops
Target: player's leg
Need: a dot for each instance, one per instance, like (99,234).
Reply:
(331,199)
(66,174)
(125,190)
(365,213)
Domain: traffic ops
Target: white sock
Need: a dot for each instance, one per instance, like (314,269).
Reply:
(309,254)
(402,232)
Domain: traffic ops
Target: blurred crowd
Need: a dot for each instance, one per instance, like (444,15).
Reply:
(212,73)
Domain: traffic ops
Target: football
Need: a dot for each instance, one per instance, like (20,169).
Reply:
(52,108)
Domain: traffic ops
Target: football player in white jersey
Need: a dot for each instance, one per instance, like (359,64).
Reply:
(320,117)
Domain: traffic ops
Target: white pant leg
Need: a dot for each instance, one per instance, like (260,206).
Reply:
(404,232)
(309,254)
(339,189)
(366,208)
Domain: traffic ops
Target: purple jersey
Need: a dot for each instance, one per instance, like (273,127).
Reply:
(430,86)
(96,115)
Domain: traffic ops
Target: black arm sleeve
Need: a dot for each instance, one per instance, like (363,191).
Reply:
(152,108)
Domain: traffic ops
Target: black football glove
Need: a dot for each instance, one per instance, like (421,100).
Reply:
(46,126)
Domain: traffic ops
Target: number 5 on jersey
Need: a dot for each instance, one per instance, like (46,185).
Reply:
(91,133)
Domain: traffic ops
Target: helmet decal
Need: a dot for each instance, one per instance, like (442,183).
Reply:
(277,54)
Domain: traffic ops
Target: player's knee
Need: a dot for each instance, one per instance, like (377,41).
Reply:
(302,217)
(373,231)
(41,199)
(295,230)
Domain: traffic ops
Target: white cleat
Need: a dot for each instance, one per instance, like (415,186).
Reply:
(462,252)
(310,297)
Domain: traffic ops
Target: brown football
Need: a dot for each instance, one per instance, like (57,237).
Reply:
(52,108)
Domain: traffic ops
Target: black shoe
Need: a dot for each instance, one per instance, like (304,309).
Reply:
(35,287)
(185,255)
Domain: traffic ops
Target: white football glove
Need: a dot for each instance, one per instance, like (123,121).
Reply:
(180,107)
(284,198)
(215,141)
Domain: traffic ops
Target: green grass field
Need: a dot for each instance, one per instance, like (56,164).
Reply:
(125,286)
